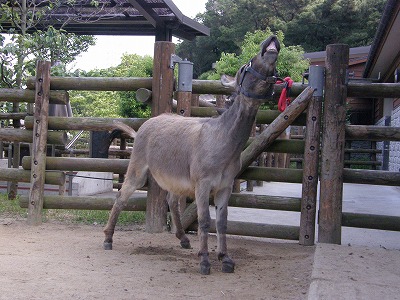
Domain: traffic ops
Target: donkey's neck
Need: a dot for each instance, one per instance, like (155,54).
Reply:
(237,122)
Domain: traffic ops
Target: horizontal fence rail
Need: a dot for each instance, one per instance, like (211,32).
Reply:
(354,89)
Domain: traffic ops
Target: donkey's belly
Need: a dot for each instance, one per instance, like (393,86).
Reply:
(175,184)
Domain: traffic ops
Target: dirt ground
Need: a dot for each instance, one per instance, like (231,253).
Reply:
(66,261)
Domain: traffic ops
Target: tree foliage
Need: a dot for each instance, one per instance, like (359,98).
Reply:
(352,22)
(18,56)
(311,24)
(113,104)
(290,63)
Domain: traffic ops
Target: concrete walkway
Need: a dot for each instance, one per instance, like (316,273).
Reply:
(366,265)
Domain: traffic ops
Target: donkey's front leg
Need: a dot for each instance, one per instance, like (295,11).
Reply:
(203,214)
(221,207)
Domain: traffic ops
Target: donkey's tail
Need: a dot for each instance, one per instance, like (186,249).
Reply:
(125,128)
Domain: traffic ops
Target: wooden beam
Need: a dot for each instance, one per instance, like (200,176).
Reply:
(39,146)
(258,230)
(333,143)
(162,92)
(19,175)
(372,133)
(89,124)
(22,95)
(23,135)
(116,165)
(137,203)
(311,158)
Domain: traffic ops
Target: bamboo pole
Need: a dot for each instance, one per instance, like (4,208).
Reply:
(333,144)
(116,165)
(39,145)
(258,230)
(89,124)
(358,90)
(11,174)
(96,83)
(145,96)
(272,174)
(372,133)
(371,177)
(262,117)
(22,135)
(21,95)
(373,90)
(12,116)
(137,203)
(371,221)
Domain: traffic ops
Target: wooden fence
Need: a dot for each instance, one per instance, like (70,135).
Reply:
(324,165)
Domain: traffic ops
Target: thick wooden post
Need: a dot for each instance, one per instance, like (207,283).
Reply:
(311,158)
(162,91)
(184,103)
(39,145)
(332,154)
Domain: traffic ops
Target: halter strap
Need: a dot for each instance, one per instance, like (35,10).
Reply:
(267,79)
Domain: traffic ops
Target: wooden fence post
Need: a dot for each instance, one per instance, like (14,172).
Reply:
(333,136)
(162,91)
(311,158)
(39,145)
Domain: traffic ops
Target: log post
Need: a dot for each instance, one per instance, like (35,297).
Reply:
(162,91)
(333,142)
(39,145)
(184,103)
(311,158)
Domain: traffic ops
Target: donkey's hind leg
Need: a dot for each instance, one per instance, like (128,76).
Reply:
(133,180)
(173,202)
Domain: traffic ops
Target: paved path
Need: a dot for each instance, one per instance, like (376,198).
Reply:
(366,265)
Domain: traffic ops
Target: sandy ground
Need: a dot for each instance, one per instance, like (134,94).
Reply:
(66,261)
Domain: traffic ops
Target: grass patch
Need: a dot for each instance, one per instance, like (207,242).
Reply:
(11,209)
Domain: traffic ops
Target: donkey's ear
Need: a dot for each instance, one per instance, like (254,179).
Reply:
(228,81)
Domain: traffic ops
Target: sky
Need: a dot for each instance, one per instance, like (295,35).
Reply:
(109,49)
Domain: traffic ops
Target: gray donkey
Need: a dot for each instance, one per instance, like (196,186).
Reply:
(199,157)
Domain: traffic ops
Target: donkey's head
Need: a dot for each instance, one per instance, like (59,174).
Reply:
(256,79)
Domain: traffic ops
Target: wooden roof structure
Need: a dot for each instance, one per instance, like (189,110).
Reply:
(159,18)
(384,57)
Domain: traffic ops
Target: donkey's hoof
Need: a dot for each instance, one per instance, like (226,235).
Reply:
(205,268)
(107,246)
(186,244)
(228,265)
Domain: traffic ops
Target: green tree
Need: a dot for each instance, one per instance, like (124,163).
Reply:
(290,63)
(352,22)
(113,104)
(18,57)
(133,65)
(229,21)
(310,24)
